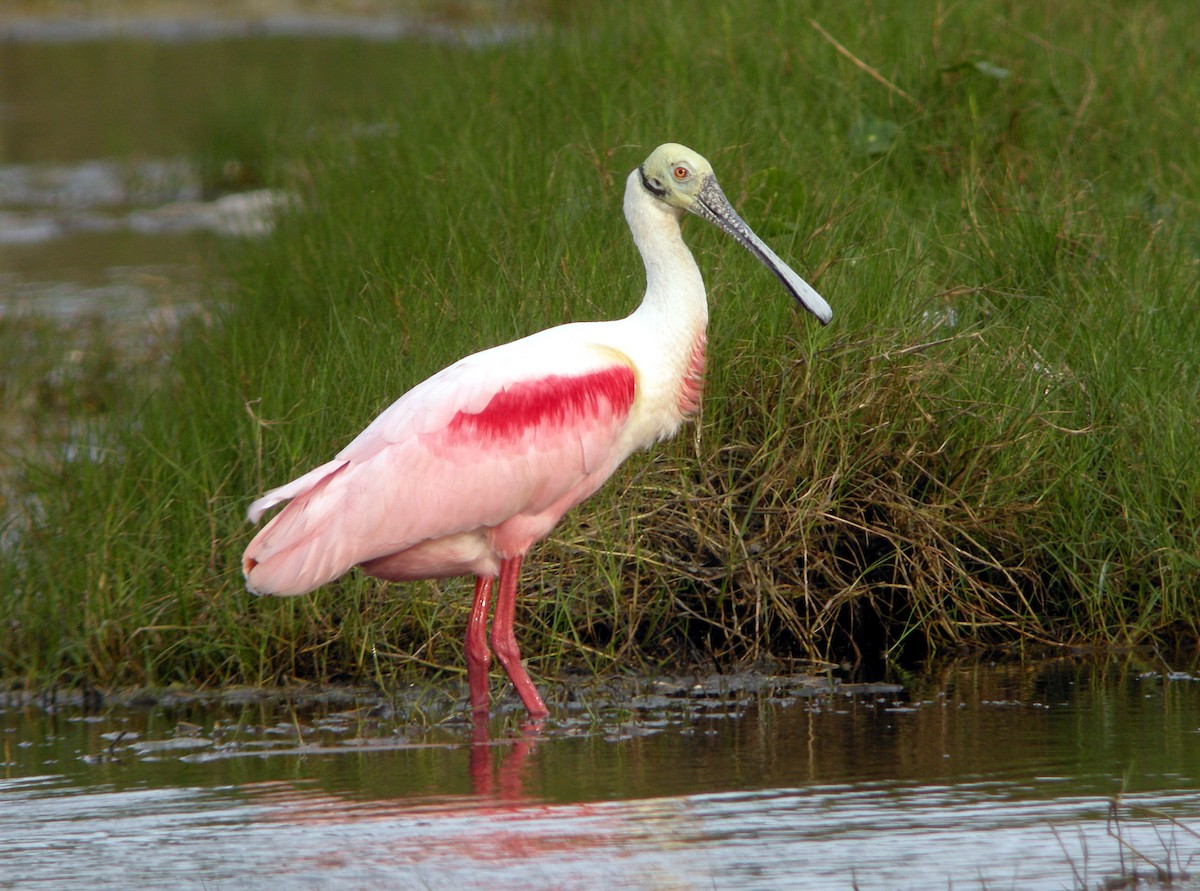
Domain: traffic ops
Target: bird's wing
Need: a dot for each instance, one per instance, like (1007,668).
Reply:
(511,430)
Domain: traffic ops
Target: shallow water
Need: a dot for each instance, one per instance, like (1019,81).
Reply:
(972,777)
(101,146)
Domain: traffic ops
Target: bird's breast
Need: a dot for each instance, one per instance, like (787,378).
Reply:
(670,386)
(692,384)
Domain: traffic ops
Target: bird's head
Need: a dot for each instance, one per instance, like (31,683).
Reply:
(676,176)
(683,180)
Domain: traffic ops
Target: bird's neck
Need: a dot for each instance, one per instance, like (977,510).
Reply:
(675,297)
(669,325)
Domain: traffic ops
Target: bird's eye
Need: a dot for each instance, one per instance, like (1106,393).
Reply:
(681,172)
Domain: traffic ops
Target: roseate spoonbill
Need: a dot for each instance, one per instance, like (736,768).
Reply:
(465,472)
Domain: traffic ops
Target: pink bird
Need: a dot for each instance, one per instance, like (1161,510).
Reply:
(466,471)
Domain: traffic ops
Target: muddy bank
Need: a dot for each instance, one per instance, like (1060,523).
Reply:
(441,700)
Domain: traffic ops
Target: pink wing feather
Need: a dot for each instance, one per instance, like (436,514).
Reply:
(476,463)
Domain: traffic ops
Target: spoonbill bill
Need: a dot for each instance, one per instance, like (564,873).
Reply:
(466,471)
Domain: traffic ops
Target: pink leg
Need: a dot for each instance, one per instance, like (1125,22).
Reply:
(478,657)
(504,641)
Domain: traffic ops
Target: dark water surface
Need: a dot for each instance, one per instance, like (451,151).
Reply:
(137,153)
(1059,775)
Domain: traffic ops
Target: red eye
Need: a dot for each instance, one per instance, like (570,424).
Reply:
(681,172)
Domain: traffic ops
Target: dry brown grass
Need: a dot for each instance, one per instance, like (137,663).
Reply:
(850,506)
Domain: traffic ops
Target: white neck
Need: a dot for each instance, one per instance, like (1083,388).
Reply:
(674,289)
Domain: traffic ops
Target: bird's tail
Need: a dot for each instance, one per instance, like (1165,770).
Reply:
(287,556)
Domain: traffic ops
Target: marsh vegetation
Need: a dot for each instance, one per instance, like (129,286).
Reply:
(996,443)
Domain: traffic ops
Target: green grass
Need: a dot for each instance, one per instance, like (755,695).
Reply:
(996,441)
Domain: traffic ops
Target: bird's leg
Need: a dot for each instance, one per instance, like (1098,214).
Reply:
(478,657)
(504,641)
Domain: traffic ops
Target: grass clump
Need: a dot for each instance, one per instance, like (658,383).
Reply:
(995,441)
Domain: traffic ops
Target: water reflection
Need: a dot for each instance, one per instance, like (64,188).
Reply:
(506,779)
(970,776)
